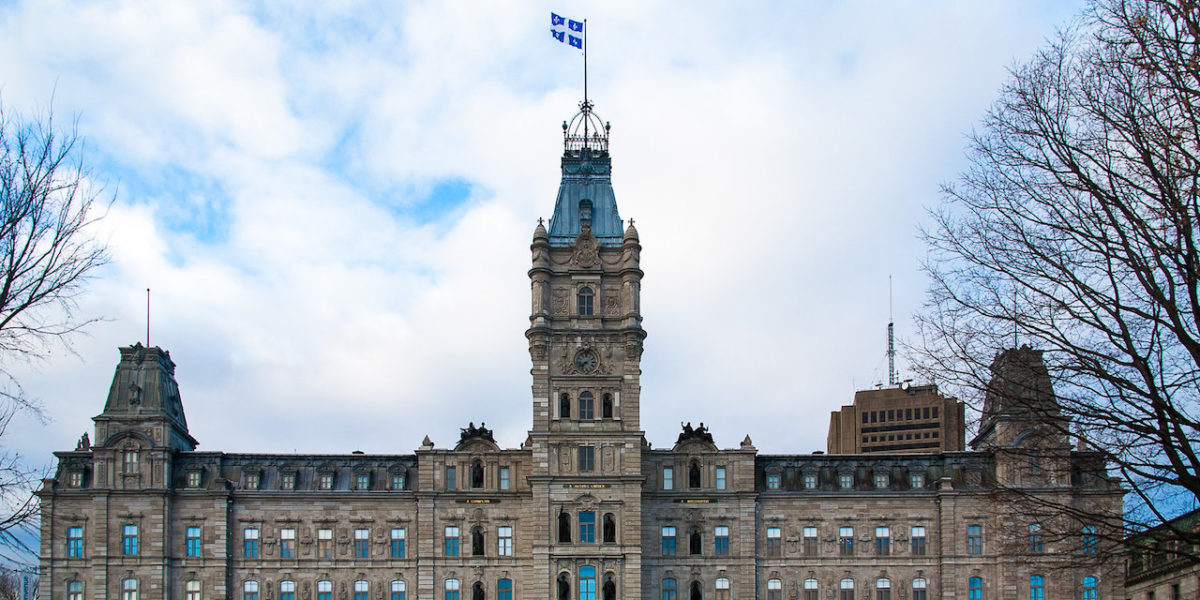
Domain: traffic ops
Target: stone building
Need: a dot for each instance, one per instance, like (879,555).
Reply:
(1161,563)
(584,509)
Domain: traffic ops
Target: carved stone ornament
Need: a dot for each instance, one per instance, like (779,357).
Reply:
(558,302)
(611,304)
(587,249)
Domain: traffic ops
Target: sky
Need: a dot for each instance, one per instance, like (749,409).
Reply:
(332,201)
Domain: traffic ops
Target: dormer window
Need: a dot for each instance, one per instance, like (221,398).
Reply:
(585,211)
(586,301)
(325,481)
(252,481)
(193,479)
(129,461)
(75,479)
(287,481)
(362,481)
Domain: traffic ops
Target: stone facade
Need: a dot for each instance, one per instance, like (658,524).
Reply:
(1161,564)
(584,509)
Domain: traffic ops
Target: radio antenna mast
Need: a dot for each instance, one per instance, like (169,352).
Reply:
(891,347)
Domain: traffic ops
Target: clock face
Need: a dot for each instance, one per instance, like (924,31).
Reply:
(585,361)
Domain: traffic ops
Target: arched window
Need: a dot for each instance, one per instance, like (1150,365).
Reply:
(75,590)
(451,589)
(695,591)
(846,589)
(477,591)
(586,298)
(1037,587)
(610,529)
(587,406)
(477,474)
(250,591)
(476,541)
(129,589)
(564,528)
(587,583)
(606,410)
(918,587)
(694,474)
(564,406)
(191,589)
(1089,588)
(398,590)
(774,589)
(668,589)
(722,587)
(975,588)
(362,590)
(883,589)
(608,591)
(324,590)
(504,589)
(564,586)
(694,544)
(811,589)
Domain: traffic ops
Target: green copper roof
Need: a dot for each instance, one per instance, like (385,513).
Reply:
(585,194)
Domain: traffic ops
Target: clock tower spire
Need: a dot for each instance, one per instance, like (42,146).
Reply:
(585,342)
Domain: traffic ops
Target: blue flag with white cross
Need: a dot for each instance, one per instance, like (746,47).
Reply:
(567,31)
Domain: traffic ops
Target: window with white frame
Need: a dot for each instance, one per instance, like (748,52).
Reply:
(504,541)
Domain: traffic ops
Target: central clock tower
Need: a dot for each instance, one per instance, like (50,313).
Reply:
(585,341)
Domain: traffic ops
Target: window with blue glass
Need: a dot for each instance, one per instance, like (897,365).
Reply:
(74,542)
(1090,541)
(362,590)
(668,540)
(587,527)
(452,589)
(129,540)
(451,545)
(192,540)
(398,590)
(250,590)
(1035,538)
(668,589)
(287,590)
(721,540)
(1089,588)
(1037,587)
(975,588)
(587,583)
(398,542)
(324,590)
(250,542)
(504,589)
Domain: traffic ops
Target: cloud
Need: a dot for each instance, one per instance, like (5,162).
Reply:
(282,178)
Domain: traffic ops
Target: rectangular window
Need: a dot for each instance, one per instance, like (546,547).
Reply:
(846,541)
(250,542)
(916,481)
(362,481)
(324,543)
(504,478)
(668,478)
(721,540)
(846,481)
(587,459)
(810,481)
(504,589)
(504,541)
(451,542)
(1035,537)
(772,482)
(935,412)
(193,592)
(129,589)
(192,541)
(129,540)
(774,541)
(362,590)
(883,541)
(325,481)
(74,542)
(451,589)
(720,478)
(193,479)
(451,476)
(587,527)
(362,543)
(974,539)
(75,591)
(397,481)
(398,542)
(252,481)
(287,543)
(130,461)
(287,590)
(881,481)
(288,481)
(398,590)
(324,590)
(250,590)
(809,541)
(668,540)
(918,541)
(1090,541)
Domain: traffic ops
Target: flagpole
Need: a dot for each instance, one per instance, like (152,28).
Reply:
(585,44)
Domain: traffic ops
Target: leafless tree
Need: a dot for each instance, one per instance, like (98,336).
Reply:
(1074,230)
(48,206)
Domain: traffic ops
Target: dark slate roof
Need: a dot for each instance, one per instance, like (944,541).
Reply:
(586,181)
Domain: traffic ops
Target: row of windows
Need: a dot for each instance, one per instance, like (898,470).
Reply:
(288,481)
(902,414)
(586,405)
(695,590)
(900,437)
(845,481)
(810,541)
(693,477)
(476,477)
